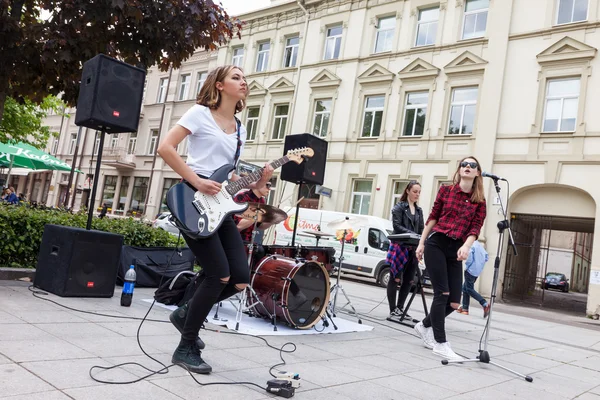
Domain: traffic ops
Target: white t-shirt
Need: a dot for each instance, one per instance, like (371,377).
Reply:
(209,148)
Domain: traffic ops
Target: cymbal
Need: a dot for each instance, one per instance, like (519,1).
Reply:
(318,234)
(265,213)
(346,223)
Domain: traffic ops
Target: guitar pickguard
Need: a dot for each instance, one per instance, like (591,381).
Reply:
(215,208)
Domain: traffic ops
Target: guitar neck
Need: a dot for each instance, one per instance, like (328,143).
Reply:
(244,182)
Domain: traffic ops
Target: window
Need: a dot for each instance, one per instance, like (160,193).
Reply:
(138,196)
(427,26)
(252,123)
(373,116)
(162,90)
(398,187)
(385,34)
(108,193)
(201,79)
(280,121)
(184,87)
(238,56)
(361,197)
(562,101)
(462,111)
(96,144)
(571,11)
(310,198)
(321,119)
(378,240)
(114,141)
(262,60)
(271,195)
(415,112)
(72,143)
(132,143)
(333,43)
(55,147)
(290,54)
(475,20)
(169,182)
(153,140)
(123,192)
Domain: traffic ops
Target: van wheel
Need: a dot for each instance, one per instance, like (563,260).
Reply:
(384,277)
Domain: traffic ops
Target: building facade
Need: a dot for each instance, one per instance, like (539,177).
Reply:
(400,90)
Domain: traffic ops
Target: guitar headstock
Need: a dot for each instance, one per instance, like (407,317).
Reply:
(295,155)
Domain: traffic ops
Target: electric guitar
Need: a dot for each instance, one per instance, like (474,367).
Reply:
(199,215)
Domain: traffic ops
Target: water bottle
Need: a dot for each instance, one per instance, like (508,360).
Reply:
(128,285)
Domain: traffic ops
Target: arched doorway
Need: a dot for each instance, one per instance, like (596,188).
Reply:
(553,227)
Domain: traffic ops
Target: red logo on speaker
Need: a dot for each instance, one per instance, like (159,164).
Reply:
(116,113)
(90,284)
(313,173)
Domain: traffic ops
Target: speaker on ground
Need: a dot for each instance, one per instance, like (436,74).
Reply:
(110,95)
(75,262)
(312,170)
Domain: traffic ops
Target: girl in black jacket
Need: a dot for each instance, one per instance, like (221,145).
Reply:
(407,217)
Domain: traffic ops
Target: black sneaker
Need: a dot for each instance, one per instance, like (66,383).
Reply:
(187,355)
(177,318)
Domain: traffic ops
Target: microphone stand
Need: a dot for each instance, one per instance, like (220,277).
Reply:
(484,355)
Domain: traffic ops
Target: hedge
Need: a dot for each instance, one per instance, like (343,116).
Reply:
(22,228)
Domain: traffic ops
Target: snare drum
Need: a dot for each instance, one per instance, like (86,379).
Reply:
(300,290)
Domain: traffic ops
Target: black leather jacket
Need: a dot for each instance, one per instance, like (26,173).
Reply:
(402,221)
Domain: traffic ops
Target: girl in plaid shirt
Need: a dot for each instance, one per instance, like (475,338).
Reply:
(454,223)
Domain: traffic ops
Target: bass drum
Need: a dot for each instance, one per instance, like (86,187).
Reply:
(300,290)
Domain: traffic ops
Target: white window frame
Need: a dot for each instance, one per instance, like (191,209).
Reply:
(201,78)
(428,24)
(379,34)
(54,147)
(96,146)
(252,124)
(132,143)
(72,143)
(414,107)
(280,135)
(363,196)
(477,16)
(114,141)
(373,110)
(293,49)
(184,87)
(336,40)
(462,104)
(262,56)
(587,13)
(162,90)
(322,133)
(237,59)
(153,142)
(562,102)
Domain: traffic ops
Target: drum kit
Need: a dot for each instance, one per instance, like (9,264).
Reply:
(289,282)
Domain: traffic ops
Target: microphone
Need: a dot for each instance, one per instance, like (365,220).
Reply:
(494,177)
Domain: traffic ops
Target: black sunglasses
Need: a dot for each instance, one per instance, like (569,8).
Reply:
(471,164)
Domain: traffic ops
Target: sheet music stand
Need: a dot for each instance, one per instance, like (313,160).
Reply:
(410,240)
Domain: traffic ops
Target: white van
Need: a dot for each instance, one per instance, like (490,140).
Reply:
(365,246)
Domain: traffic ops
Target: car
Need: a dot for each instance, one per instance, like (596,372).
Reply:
(556,280)
(163,221)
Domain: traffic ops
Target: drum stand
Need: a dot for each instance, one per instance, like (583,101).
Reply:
(338,286)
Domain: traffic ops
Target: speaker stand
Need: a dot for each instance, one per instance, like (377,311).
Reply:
(92,200)
(297,212)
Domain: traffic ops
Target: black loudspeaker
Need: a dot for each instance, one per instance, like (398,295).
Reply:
(312,170)
(110,95)
(75,262)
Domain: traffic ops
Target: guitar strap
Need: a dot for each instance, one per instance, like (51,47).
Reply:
(239,142)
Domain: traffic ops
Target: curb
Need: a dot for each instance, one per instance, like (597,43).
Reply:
(14,274)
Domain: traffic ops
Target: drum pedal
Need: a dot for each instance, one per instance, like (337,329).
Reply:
(281,387)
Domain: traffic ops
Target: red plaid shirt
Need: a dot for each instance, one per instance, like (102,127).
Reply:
(246,196)
(457,217)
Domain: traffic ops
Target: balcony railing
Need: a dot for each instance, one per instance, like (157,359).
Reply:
(118,157)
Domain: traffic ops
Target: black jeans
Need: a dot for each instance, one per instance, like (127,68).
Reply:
(221,255)
(445,272)
(407,275)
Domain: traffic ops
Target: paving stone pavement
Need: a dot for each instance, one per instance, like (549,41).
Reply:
(46,352)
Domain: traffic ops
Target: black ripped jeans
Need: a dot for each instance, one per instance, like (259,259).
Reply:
(221,255)
(408,276)
(445,272)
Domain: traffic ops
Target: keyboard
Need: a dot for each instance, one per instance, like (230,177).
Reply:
(411,239)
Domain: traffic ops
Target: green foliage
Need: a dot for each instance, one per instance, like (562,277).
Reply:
(24,122)
(22,228)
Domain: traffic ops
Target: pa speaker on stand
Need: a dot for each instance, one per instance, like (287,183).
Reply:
(312,170)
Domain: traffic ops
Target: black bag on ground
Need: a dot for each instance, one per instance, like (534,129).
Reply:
(179,289)
(152,264)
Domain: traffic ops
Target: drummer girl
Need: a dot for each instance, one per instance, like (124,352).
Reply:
(256,195)
(215,138)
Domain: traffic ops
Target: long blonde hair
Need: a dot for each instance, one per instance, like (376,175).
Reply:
(477,194)
(210,96)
